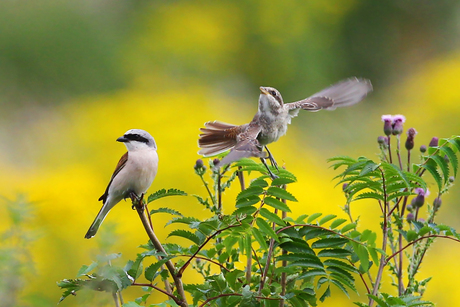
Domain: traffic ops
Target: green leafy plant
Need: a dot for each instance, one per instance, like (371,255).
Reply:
(259,255)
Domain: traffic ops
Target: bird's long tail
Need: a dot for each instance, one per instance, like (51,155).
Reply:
(217,137)
(98,221)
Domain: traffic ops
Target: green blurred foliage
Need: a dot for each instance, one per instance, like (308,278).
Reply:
(76,75)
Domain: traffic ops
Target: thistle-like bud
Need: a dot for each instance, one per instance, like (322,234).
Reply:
(410,217)
(446,158)
(437,203)
(451,179)
(387,124)
(199,167)
(411,133)
(423,148)
(434,142)
(409,207)
(419,200)
(344,186)
(215,161)
(398,121)
(381,140)
(199,164)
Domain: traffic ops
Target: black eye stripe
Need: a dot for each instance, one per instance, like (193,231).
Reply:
(136,137)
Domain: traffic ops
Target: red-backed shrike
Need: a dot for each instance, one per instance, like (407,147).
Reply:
(133,175)
(272,119)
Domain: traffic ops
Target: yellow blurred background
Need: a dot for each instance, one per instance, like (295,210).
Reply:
(74,76)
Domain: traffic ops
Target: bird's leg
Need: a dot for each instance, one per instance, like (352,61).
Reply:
(135,199)
(269,171)
(272,160)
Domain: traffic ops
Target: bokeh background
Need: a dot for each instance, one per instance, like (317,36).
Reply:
(75,75)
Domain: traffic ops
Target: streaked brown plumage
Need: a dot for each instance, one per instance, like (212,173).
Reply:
(272,118)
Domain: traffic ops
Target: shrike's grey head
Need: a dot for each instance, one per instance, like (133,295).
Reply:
(270,99)
(136,139)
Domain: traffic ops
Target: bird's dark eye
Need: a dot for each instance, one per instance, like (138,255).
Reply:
(273,93)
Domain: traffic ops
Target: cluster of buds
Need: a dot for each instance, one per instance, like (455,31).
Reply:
(199,167)
(393,124)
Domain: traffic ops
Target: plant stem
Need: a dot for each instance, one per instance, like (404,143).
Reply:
(186,264)
(400,242)
(419,239)
(139,204)
(115,299)
(207,189)
(408,160)
(219,193)
(384,243)
(236,294)
(241,179)
(398,149)
(269,258)
(159,290)
(389,148)
(283,264)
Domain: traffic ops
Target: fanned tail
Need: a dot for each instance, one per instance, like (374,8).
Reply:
(217,137)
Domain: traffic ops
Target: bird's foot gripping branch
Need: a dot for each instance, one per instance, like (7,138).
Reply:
(253,252)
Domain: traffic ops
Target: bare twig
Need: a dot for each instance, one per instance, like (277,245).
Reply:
(139,205)
(186,264)
(419,239)
(159,290)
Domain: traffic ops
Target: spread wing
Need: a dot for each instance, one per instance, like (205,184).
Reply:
(343,94)
(119,167)
(247,145)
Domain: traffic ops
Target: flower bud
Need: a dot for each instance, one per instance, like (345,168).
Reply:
(419,200)
(410,138)
(381,140)
(199,167)
(451,179)
(446,158)
(409,207)
(387,124)
(199,164)
(423,148)
(398,121)
(437,203)
(421,220)
(215,162)
(434,142)
(344,186)
(410,217)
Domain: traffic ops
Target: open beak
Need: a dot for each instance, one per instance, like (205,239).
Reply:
(263,90)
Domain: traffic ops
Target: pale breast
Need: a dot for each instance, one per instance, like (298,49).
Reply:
(138,173)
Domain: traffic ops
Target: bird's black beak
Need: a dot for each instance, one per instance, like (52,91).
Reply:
(122,139)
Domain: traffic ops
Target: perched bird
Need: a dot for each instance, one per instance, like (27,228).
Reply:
(133,175)
(272,119)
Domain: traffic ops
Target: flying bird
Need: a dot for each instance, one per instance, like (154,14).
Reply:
(133,175)
(272,119)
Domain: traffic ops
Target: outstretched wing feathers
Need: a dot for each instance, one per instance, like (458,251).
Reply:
(342,94)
